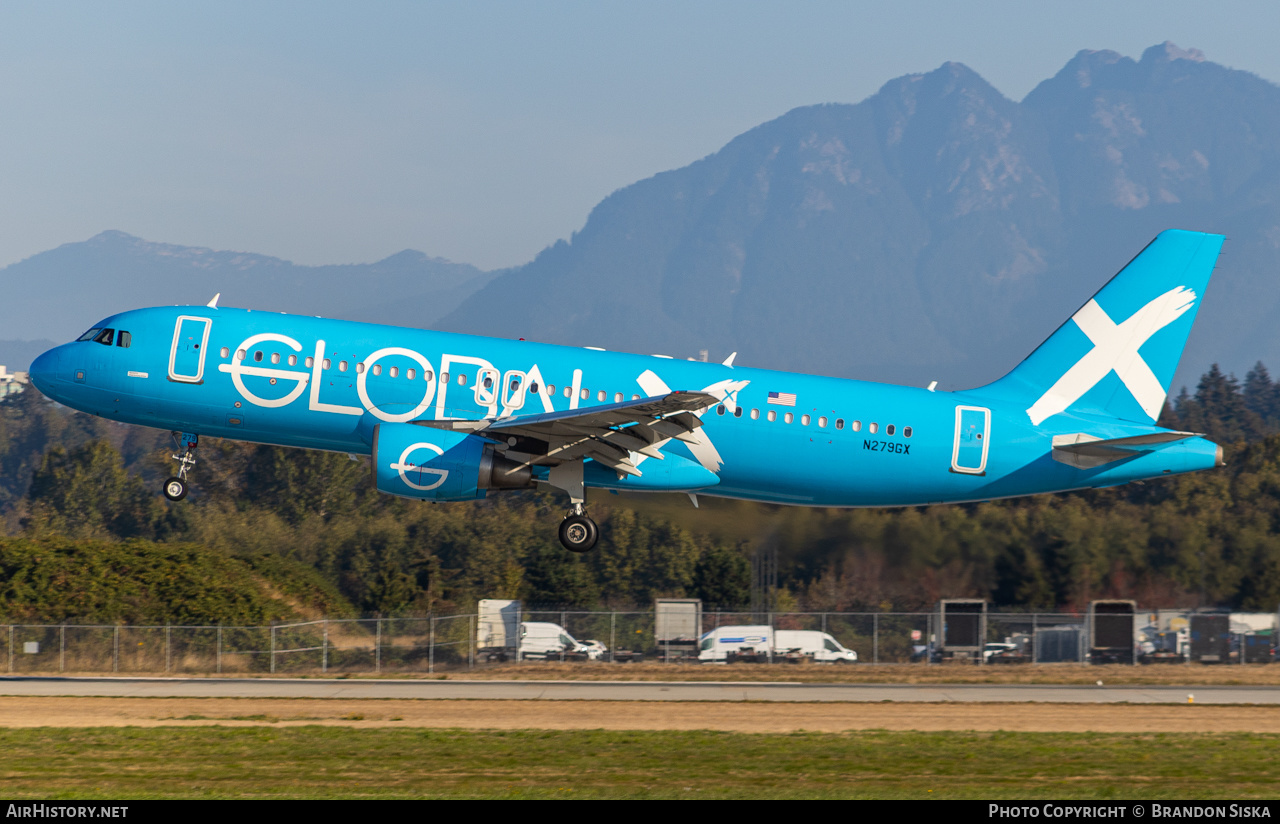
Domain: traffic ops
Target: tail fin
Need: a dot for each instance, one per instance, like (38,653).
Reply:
(1116,356)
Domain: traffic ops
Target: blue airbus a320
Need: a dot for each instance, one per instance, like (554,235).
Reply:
(447,417)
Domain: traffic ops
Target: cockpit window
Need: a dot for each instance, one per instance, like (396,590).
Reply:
(106,337)
(124,339)
(90,334)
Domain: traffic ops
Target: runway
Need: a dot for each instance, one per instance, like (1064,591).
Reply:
(721,691)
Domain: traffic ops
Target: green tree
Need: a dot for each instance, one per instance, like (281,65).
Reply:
(87,493)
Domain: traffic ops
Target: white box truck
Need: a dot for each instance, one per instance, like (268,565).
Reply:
(763,643)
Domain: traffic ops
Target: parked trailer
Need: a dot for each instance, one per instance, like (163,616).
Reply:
(1210,638)
(1111,632)
(498,629)
(964,629)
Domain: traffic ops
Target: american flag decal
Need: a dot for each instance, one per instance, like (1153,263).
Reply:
(782,398)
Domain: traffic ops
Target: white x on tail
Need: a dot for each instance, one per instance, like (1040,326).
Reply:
(1115,348)
(700,445)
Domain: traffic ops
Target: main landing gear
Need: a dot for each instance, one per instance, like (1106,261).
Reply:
(578,533)
(175,488)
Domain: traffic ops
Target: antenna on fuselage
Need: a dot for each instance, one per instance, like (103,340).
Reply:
(213,304)
(729,360)
(933,385)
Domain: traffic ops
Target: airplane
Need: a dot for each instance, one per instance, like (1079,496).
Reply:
(451,417)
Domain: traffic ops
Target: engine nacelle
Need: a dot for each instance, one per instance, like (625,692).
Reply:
(440,465)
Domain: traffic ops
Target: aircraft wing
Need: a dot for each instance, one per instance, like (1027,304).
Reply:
(1086,451)
(610,434)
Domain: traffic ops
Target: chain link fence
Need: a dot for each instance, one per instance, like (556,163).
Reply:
(448,642)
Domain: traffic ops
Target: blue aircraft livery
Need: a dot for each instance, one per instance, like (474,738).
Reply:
(448,417)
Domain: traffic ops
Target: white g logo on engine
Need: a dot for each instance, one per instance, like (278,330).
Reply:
(402,466)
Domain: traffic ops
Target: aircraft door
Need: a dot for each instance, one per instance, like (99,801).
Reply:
(187,354)
(513,390)
(972,440)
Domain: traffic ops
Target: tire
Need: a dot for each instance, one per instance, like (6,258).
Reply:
(175,489)
(579,533)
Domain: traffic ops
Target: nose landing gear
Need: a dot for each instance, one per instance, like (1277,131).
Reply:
(175,488)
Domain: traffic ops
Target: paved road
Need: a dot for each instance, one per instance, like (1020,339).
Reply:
(624,691)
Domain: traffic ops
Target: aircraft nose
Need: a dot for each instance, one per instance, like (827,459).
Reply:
(45,369)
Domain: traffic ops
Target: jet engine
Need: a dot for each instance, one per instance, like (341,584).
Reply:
(440,465)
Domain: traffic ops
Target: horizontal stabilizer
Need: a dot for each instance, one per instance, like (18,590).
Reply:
(1086,452)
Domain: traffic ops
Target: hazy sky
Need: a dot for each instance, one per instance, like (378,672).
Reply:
(477,131)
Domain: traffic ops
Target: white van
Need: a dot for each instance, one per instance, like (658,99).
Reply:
(763,643)
(819,646)
(725,643)
(542,640)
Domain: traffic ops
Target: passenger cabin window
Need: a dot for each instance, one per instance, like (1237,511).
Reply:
(124,339)
(773,416)
(720,410)
(888,430)
(586,394)
(600,396)
(360,368)
(395,371)
(822,422)
(377,369)
(839,423)
(225,351)
(857,426)
(462,380)
(906,432)
(873,427)
(617,397)
(275,357)
(326,364)
(310,361)
(788,418)
(293,360)
(257,356)
(106,337)
(804,420)
(737,412)
(755,414)
(342,366)
(411,374)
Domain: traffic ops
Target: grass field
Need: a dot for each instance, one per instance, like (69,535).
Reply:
(329,762)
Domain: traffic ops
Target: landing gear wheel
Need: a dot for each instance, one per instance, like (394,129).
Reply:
(579,533)
(175,489)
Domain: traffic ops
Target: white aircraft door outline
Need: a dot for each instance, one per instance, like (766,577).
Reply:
(184,353)
(972,440)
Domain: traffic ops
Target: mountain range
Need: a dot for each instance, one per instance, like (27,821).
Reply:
(935,230)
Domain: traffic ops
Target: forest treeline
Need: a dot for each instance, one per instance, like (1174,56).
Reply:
(71,483)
